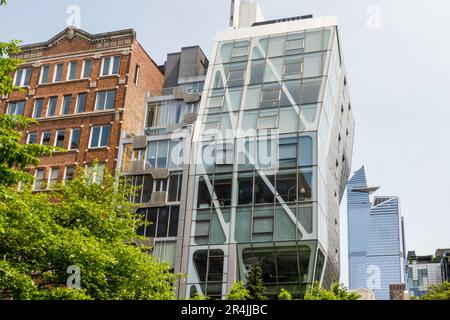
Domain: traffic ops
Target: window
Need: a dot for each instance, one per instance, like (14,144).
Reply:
(32,138)
(292,67)
(257,71)
(105,100)
(288,152)
(295,44)
(22,77)
(75,135)
(53,178)
(263,191)
(51,110)
(267,122)
(87,66)
(16,108)
(240,51)
(39,179)
(57,76)
(69,173)
(270,94)
(81,103)
(45,71)
(95,173)
(136,75)
(59,140)
(110,65)
(65,108)
(236,73)
(216,104)
(46,136)
(71,74)
(222,189)
(99,137)
(175,187)
(245,188)
(37,111)
(263,225)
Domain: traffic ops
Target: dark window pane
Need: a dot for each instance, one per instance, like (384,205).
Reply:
(263,194)
(204,196)
(287,186)
(173,187)
(173,225)
(75,139)
(245,188)
(105,136)
(150,230)
(81,102)
(305,186)
(163,221)
(222,188)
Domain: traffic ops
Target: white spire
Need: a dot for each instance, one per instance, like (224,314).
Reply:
(244,13)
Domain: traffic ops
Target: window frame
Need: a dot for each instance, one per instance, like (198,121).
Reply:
(55,71)
(277,119)
(99,137)
(83,69)
(29,135)
(111,66)
(36,179)
(288,41)
(33,115)
(76,111)
(65,173)
(50,179)
(56,137)
(269,90)
(23,77)
(16,104)
(42,74)
(104,108)
(61,110)
(42,138)
(69,71)
(71,137)
(48,106)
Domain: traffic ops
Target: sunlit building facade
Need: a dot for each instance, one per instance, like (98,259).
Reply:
(270,158)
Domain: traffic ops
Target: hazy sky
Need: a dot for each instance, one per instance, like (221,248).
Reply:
(397,73)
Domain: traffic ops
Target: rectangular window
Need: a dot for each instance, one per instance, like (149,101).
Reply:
(263,225)
(37,111)
(22,77)
(75,135)
(81,103)
(292,67)
(268,122)
(32,138)
(240,51)
(99,137)
(71,73)
(270,94)
(216,102)
(69,173)
(295,44)
(65,108)
(105,100)
(39,179)
(87,66)
(110,65)
(236,75)
(136,75)
(46,136)
(59,140)
(57,76)
(51,110)
(95,173)
(16,108)
(45,71)
(53,177)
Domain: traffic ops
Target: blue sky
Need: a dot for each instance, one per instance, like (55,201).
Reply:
(398,78)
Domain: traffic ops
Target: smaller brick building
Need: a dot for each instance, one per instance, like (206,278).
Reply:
(85,90)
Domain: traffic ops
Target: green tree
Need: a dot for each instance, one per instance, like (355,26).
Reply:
(438,292)
(255,284)
(198,296)
(90,226)
(284,295)
(238,292)
(337,292)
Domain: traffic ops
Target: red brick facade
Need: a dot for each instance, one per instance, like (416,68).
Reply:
(74,45)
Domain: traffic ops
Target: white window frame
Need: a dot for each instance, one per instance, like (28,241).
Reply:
(65,172)
(237,55)
(28,137)
(23,77)
(56,71)
(42,73)
(111,66)
(35,178)
(83,68)
(273,100)
(95,167)
(69,70)
(289,63)
(106,100)
(288,41)
(77,100)
(244,70)
(42,137)
(100,136)
(49,178)
(267,128)
(34,108)
(48,106)
(70,139)
(15,103)
(62,105)
(56,136)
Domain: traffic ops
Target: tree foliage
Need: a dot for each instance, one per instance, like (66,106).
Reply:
(255,284)
(284,295)
(238,292)
(337,292)
(438,292)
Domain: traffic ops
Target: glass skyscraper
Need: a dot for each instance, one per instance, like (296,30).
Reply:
(270,158)
(375,238)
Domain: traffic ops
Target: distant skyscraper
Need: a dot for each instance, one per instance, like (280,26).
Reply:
(375,238)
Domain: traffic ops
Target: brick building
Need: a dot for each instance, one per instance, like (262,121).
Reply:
(85,90)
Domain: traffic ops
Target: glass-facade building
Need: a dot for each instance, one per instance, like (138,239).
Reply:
(269,161)
(375,239)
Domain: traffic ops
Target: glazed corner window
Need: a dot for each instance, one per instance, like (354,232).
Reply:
(32,138)
(59,139)
(58,72)
(45,71)
(16,108)
(69,173)
(267,122)
(81,103)
(53,178)
(37,111)
(51,110)
(75,135)
(136,74)
(105,100)
(95,173)
(22,77)
(110,65)
(65,108)
(71,74)
(87,66)
(46,136)
(39,179)
(99,137)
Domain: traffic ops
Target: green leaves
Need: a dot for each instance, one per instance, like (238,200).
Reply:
(337,292)
(438,292)
(8,64)
(238,292)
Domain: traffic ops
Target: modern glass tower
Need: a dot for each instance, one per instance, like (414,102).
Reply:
(375,238)
(270,158)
